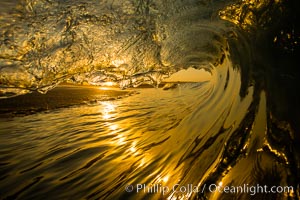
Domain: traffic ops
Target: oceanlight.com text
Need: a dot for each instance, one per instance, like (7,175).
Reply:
(190,188)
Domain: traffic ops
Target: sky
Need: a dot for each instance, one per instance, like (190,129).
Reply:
(189,75)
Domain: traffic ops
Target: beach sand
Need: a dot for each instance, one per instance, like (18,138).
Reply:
(59,97)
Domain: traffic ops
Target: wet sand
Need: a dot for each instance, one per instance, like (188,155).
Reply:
(59,97)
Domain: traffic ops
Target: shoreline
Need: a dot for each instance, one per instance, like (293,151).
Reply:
(60,97)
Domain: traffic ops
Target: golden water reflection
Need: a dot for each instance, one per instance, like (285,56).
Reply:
(108,110)
(141,154)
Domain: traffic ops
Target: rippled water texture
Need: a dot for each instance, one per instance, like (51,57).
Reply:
(240,127)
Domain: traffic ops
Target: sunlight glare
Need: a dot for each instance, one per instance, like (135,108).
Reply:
(113,127)
(108,108)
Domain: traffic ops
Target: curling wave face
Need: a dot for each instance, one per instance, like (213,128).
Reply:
(44,43)
(244,123)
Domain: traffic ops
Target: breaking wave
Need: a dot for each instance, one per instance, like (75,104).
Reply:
(246,120)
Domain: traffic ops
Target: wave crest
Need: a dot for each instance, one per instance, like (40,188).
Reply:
(48,42)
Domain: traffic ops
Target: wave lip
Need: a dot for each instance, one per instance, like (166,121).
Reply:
(44,43)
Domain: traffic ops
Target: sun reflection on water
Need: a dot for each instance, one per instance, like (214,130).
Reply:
(113,127)
(108,110)
(121,139)
(133,148)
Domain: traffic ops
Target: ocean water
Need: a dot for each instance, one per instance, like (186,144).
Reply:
(239,128)
(94,150)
